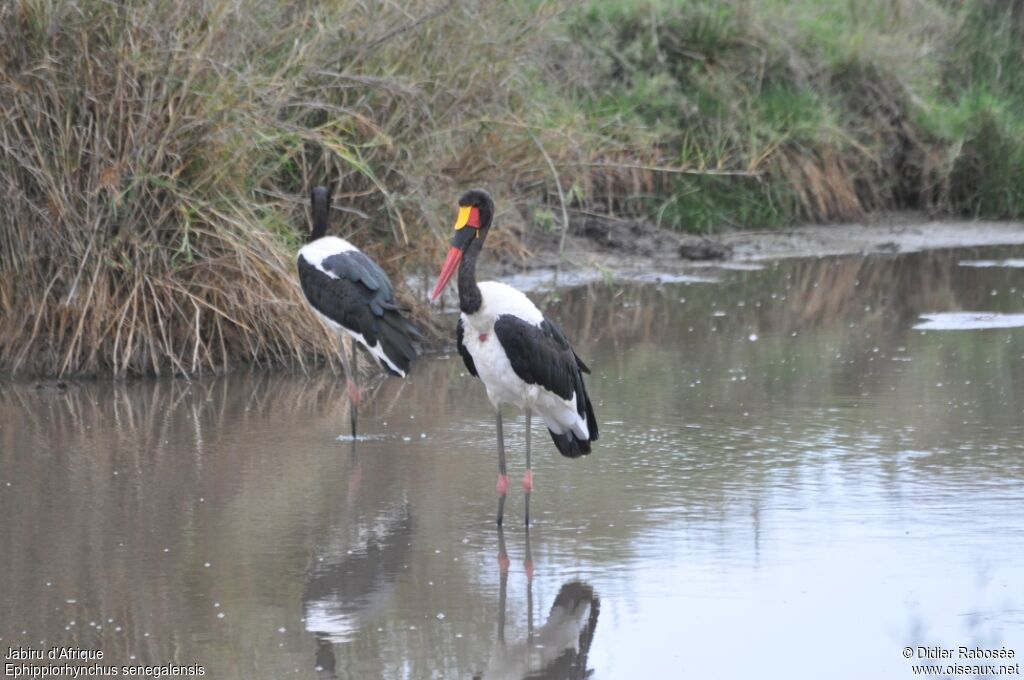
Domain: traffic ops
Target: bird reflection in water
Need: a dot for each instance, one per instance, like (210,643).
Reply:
(352,574)
(558,649)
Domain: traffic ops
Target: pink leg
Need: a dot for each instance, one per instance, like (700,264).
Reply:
(502,486)
(528,481)
(353,392)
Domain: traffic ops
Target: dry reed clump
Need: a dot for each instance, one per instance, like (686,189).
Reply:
(129,230)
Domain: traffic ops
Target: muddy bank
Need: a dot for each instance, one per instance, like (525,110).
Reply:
(599,247)
(610,245)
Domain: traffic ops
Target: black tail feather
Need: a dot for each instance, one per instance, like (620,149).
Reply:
(569,446)
(591,419)
(397,336)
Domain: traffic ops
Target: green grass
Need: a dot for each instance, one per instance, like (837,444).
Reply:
(839,108)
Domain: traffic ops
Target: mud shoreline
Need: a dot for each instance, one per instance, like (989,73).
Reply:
(598,246)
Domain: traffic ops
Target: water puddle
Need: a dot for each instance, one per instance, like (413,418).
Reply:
(1017,263)
(964,321)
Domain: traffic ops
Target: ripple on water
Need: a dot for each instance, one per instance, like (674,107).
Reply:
(363,437)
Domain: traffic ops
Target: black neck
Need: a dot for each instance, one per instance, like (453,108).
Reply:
(321,204)
(470,299)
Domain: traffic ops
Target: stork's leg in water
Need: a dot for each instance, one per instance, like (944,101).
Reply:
(503,564)
(528,567)
(502,487)
(354,387)
(528,475)
(351,364)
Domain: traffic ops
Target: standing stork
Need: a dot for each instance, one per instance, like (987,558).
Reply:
(522,358)
(354,297)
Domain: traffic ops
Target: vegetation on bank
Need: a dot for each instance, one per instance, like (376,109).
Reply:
(831,108)
(155,157)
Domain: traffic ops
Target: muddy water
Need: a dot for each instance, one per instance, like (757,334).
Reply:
(792,481)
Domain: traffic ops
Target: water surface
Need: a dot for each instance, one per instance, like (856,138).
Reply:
(791,481)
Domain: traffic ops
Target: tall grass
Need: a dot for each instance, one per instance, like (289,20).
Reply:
(128,242)
(155,156)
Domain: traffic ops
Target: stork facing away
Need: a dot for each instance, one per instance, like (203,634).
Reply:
(355,298)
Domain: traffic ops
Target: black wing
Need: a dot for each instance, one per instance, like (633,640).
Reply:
(358,268)
(467,358)
(540,355)
(365,308)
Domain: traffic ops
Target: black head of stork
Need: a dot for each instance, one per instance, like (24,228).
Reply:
(476,210)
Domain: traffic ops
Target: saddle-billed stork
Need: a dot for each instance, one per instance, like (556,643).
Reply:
(522,358)
(354,297)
